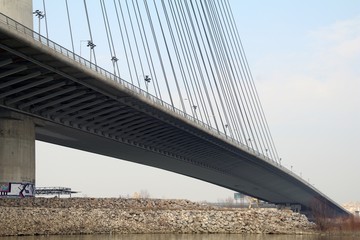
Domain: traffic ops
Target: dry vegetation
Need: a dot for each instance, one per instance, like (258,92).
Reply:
(326,222)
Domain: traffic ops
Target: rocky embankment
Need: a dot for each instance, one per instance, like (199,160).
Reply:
(42,216)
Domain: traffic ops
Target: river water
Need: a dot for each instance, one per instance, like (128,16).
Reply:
(182,237)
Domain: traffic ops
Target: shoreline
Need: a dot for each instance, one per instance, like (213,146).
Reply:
(68,216)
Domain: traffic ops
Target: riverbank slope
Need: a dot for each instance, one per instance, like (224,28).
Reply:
(43,216)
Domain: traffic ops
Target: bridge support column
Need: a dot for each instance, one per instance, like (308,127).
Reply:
(17,155)
(19,10)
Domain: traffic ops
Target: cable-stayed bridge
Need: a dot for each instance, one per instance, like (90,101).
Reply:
(178,95)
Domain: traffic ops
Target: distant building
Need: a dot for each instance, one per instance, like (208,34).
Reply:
(353,207)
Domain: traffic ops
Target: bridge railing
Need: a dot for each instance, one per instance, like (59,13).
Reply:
(84,62)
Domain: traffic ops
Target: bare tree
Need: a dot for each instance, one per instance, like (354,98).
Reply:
(229,201)
(144,194)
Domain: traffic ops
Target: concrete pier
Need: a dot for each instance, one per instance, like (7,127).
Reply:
(17,155)
(19,10)
(17,132)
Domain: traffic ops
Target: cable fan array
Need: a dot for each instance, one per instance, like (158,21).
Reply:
(187,53)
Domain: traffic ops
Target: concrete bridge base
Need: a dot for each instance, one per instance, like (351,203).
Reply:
(17,155)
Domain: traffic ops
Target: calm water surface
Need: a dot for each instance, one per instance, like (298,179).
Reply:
(182,237)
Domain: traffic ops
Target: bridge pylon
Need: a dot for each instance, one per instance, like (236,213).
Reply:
(17,155)
(19,10)
(17,132)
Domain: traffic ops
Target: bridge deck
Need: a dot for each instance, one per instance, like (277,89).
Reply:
(78,107)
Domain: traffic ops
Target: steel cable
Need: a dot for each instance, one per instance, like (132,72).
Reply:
(158,52)
(170,59)
(136,43)
(218,80)
(177,53)
(253,88)
(91,44)
(70,29)
(123,42)
(239,99)
(114,58)
(204,64)
(187,60)
(46,25)
(147,50)
(129,44)
(194,65)
(106,30)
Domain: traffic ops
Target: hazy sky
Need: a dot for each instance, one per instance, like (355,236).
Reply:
(305,59)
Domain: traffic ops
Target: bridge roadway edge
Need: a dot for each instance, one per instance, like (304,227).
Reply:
(165,161)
